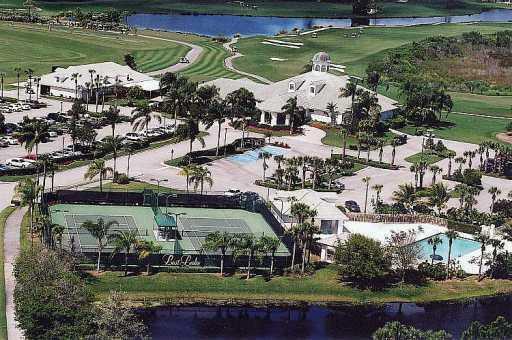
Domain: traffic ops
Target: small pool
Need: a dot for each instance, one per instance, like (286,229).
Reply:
(253,155)
(460,247)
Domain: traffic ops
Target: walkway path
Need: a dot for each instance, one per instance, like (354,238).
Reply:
(11,250)
(192,56)
(228,62)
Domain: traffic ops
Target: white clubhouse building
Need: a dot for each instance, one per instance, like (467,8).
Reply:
(75,81)
(314,90)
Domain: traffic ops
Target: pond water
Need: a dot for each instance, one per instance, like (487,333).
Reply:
(317,322)
(215,25)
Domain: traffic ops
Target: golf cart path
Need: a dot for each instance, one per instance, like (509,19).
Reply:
(11,251)
(191,55)
(228,62)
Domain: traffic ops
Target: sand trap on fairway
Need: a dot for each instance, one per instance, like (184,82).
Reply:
(277,59)
(279,45)
(285,42)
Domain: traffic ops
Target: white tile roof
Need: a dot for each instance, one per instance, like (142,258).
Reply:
(62,77)
(274,96)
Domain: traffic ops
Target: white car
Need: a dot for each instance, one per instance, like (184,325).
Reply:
(52,134)
(11,140)
(134,136)
(19,162)
(25,107)
(232,192)
(16,107)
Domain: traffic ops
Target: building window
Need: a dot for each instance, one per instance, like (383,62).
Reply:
(329,226)
(324,68)
(317,68)
(292,87)
(268,117)
(312,89)
(281,119)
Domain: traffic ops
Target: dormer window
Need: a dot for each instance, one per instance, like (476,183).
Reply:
(312,89)
(291,87)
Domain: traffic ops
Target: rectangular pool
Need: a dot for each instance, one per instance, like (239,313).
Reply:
(253,155)
(460,247)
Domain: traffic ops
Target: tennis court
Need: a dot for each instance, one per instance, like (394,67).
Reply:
(193,225)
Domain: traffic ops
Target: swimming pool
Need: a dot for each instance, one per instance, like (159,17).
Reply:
(460,247)
(253,155)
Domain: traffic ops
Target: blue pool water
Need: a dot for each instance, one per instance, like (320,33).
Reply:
(253,155)
(460,247)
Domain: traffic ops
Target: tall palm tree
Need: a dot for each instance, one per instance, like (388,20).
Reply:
(143,115)
(218,241)
(123,240)
(75,77)
(113,144)
(291,109)
(32,133)
(316,164)
(269,244)
(218,112)
(331,108)
(247,244)
(435,170)
(18,73)
(145,249)
(265,156)
(366,180)
(187,171)
(406,195)
(242,104)
(199,176)
(378,189)
(98,168)
(434,241)
(112,117)
(450,157)
(494,192)
(58,231)
(28,191)
(97,86)
(451,235)
(2,76)
(294,232)
(99,230)
(484,239)
(30,73)
(393,152)
(129,149)
(461,161)
(344,133)
(91,73)
(439,196)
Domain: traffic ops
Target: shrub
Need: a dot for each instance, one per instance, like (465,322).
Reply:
(397,122)
(435,271)
(122,179)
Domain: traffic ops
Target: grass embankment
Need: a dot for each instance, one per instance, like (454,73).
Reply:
(333,137)
(293,8)
(428,158)
(4,214)
(33,46)
(464,128)
(133,186)
(357,53)
(322,287)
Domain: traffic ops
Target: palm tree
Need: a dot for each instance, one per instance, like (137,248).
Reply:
(439,196)
(218,241)
(460,161)
(200,175)
(316,164)
(434,242)
(187,171)
(112,117)
(246,244)
(435,170)
(58,231)
(28,191)
(344,133)
(451,235)
(331,108)
(291,109)
(406,195)
(30,73)
(265,156)
(494,192)
(484,240)
(32,133)
(217,113)
(75,77)
(142,116)
(380,145)
(113,144)
(97,85)
(378,189)
(294,231)
(18,73)
(123,240)
(2,76)
(47,227)
(129,149)
(97,167)
(269,244)
(242,104)
(99,230)
(393,152)
(366,180)
(145,249)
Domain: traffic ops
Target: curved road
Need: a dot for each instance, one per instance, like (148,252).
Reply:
(228,62)
(191,55)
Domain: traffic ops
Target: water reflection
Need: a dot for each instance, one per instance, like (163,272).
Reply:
(317,322)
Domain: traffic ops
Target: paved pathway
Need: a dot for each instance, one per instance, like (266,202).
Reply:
(11,250)
(228,62)
(192,56)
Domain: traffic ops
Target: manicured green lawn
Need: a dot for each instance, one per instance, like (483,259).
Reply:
(335,138)
(486,105)
(323,286)
(33,46)
(470,129)
(428,158)
(295,8)
(4,214)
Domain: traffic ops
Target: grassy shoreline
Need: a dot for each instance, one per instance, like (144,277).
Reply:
(321,288)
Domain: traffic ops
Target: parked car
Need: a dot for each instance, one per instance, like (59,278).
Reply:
(3,167)
(20,162)
(232,192)
(352,206)
(133,136)
(3,143)
(11,140)
(52,134)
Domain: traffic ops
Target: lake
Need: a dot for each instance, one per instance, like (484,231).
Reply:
(317,322)
(229,25)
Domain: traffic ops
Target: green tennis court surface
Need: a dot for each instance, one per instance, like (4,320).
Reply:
(193,224)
